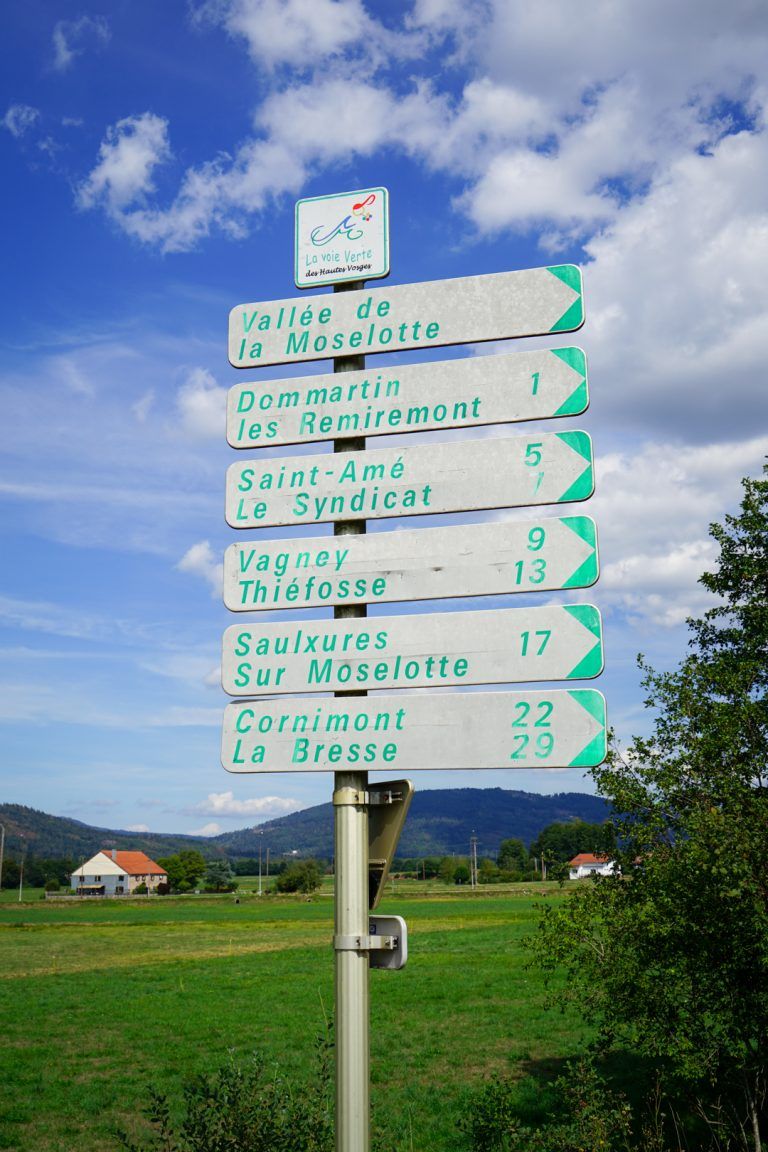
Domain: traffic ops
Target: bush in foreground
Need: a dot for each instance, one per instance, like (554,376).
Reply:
(243,1108)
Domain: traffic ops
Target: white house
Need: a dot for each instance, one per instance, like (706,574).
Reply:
(114,873)
(585,864)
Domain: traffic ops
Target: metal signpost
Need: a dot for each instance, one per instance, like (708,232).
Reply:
(343,240)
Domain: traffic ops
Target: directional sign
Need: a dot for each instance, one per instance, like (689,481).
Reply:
(344,236)
(409,398)
(556,729)
(417,651)
(427,564)
(467,310)
(541,468)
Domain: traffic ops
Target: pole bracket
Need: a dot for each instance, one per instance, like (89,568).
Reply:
(350,797)
(364,943)
(359,798)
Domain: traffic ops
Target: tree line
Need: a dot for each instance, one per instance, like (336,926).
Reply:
(189,871)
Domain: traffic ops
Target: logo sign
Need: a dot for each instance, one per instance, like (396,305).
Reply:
(342,237)
(466,310)
(440,649)
(427,564)
(451,730)
(541,468)
(409,398)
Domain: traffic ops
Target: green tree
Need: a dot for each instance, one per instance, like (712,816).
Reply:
(559,843)
(672,960)
(461,874)
(488,872)
(512,856)
(447,868)
(185,869)
(219,877)
(300,876)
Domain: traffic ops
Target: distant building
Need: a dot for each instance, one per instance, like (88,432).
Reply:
(586,864)
(114,873)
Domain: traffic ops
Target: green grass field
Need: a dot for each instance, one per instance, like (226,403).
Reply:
(98,1000)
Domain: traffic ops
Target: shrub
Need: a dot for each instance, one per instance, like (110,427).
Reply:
(243,1108)
(589,1116)
(301,876)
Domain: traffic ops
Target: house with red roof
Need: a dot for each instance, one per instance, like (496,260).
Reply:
(114,873)
(587,864)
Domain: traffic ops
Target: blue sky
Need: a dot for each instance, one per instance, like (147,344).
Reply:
(151,157)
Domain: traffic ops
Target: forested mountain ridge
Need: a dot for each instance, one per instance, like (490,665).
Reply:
(440,823)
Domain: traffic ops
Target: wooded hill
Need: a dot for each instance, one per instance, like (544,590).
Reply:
(440,823)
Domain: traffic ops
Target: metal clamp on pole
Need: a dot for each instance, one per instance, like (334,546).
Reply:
(350,797)
(388,796)
(365,943)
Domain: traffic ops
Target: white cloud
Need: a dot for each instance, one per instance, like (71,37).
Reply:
(179,716)
(301,33)
(225,804)
(202,405)
(678,301)
(142,407)
(200,560)
(137,828)
(210,829)
(54,619)
(128,156)
(74,376)
(73,37)
(19,119)
(186,667)
(653,509)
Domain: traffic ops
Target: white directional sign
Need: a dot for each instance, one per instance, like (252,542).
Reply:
(557,729)
(417,651)
(427,564)
(344,236)
(409,398)
(541,468)
(467,310)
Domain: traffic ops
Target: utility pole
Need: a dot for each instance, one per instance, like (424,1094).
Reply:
(2,852)
(21,868)
(260,843)
(473,860)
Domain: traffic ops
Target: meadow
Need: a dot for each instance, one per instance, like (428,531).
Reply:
(100,1000)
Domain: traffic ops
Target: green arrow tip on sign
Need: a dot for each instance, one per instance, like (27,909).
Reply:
(592,664)
(578,401)
(584,484)
(573,317)
(592,753)
(592,702)
(588,571)
(596,749)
